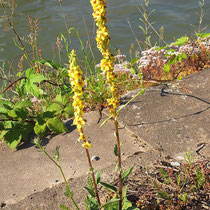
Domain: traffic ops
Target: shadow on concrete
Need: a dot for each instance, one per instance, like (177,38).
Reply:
(165,93)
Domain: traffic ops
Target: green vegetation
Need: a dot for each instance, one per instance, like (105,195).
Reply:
(37,99)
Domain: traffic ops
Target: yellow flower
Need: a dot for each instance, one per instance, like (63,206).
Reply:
(86,145)
(102,38)
(77,83)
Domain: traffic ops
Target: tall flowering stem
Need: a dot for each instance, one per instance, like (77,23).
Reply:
(77,83)
(107,67)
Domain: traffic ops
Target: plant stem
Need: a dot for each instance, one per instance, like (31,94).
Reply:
(66,183)
(119,158)
(93,175)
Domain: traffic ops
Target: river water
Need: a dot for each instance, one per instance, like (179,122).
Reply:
(175,15)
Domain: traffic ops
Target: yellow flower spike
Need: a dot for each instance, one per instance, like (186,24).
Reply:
(102,38)
(77,83)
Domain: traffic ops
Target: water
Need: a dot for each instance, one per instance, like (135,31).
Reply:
(175,15)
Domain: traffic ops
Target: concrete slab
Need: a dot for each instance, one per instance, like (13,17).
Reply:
(173,118)
(28,170)
(165,121)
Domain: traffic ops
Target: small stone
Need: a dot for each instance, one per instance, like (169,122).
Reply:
(95,158)
(56,180)
(175,163)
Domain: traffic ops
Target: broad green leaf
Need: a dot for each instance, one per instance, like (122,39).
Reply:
(3,109)
(22,104)
(13,138)
(56,125)
(35,90)
(40,129)
(61,99)
(29,72)
(109,186)
(181,41)
(22,113)
(41,118)
(5,102)
(54,107)
(12,113)
(69,110)
(126,173)
(2,134)
(37,78)
(113,201)
(90,191)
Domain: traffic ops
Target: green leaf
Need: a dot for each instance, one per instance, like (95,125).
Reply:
(13,138)
(56,125)
(4,108)
(22,113)
(90,191)
(124,192)
(29,72)
(126,205)
(115,150)
(203,35)
(33,89)
(12,113)
(50,64)
(63,207)
(37,78)
(109,186)
(61,99)
(40,129)
(91,203)
(69,110)
(184,55)
(22,104)
(166,68)
(2,134)
(134,60)
(97,176)
(110,203)
(54,107)
(5,102)
(126,173)
(181,41)
(2,126)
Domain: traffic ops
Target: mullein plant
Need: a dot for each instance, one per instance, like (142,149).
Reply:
(107,67)
(77,84)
